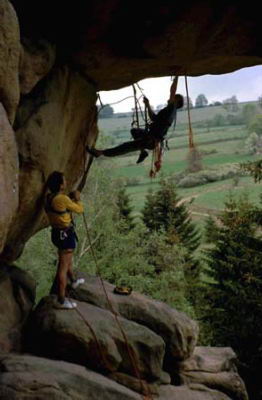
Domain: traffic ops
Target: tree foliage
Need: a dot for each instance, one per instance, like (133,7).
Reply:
(254,169)
(124,208)
(232,302)
(164,211)
(201,101)
(106,111)
(231,104)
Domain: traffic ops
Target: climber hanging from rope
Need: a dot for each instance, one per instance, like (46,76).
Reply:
(59,208)
(149,138)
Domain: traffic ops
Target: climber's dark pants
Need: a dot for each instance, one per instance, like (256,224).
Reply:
(146,142)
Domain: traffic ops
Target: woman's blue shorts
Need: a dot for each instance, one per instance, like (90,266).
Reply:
(64,239)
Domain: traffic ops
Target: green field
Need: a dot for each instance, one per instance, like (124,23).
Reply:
(218,145)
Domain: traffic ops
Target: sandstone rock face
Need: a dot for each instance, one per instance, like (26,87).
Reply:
(64,335)
(115,43)
(127,356)
(8,176)
(51,134)
(27,377)
(91,336)
(179,332)
(17,298)
(37,59)
(195,392)
(215,368)
(9,58)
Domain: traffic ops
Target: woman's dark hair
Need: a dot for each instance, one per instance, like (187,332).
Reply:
(179,100)
(55,181)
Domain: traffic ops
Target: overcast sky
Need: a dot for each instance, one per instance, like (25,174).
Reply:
(245,83)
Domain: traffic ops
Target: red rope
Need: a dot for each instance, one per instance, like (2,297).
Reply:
(156,163)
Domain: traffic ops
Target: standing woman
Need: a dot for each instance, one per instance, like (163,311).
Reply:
(59,208)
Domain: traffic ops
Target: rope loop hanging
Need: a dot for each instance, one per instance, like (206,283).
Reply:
(135,115)
(190,130)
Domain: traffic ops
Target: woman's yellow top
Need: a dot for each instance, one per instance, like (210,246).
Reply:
(64,205)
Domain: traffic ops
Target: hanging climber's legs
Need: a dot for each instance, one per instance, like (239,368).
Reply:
(145,143)
(124,148)
(143,154)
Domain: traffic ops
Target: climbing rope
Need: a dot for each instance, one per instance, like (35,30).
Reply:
(156,162)
(111,104)
(131,354)
(194,156)
(101,354)
(190,130)
(135,117)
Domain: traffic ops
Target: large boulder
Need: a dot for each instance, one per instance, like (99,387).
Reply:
(17,290)
(53,125)
(179,332)
(37,59)
(195,392)
(91,336)
(8,175)
(24,377)
(214,367)
(9,58)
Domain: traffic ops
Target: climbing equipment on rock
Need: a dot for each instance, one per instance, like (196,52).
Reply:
(124,290)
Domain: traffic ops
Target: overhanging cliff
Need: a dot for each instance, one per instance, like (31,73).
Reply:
(55,56)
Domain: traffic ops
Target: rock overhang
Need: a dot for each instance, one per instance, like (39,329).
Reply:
(115,43)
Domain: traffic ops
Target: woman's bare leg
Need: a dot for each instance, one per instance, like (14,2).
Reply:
(70,273)
(65,258)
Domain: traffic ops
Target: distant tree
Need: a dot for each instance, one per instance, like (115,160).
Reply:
(210,230)
(106,111)
(218,120)
(164,211)
(260,101)
(124,208)
(217,103)
(252,143)
(231,104)
(234,119)
(201,101)
(234,104)
(254,169)
(232,299)
(248,113)
(255,125)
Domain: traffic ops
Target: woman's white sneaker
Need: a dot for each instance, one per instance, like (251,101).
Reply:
(78,282)
(67,305)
